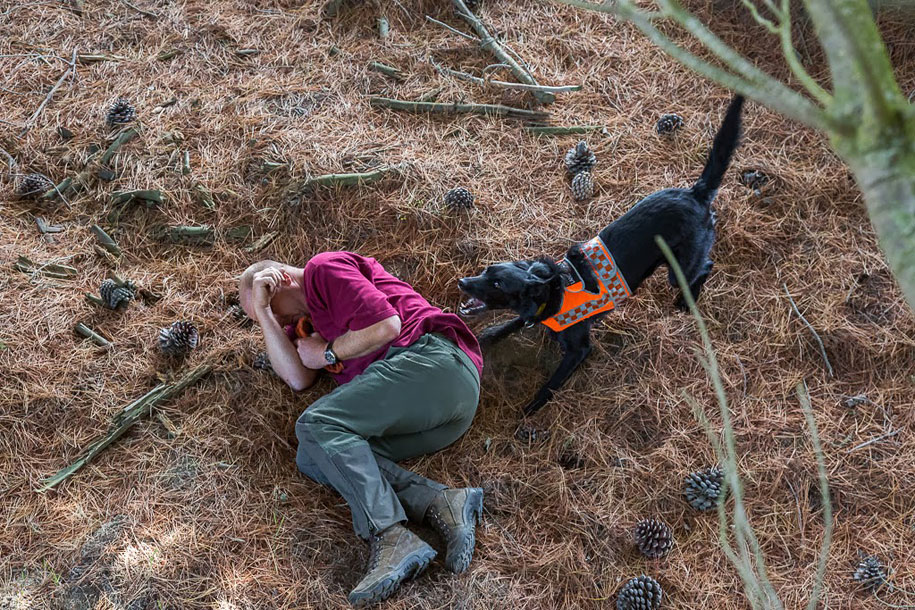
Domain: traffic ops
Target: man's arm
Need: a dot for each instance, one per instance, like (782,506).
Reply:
(283,357)
(352,344)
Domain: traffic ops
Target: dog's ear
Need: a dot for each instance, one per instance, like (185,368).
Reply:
(577,259)
(541,272)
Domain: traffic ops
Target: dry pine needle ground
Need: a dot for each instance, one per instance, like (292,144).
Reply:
(202,507)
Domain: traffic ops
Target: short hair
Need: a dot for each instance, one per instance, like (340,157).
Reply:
(246,281)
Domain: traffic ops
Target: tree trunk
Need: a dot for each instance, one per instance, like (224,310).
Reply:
(887,179)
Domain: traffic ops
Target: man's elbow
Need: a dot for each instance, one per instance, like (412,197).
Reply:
(391,328)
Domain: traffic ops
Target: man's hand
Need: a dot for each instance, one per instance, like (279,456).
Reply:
(311,351)
(264,286)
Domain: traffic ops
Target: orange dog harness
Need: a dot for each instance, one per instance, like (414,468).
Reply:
(577,303)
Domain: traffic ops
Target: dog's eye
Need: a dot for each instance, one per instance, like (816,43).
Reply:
(497,284)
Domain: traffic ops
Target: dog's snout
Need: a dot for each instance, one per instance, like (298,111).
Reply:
(462,283)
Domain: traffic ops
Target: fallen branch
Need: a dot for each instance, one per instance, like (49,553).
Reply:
(148,197)
(483,82)
(44,228)
(202,235)
(203,196)
(123,138)
(262,243)
(92,59)
(122,422)
(385,69)
(85,331)
(347,179)
(812,330)
(166,55)
(874,440)
(489,43)
(545,130)
(438,108)
(451,29)
(70,70)
(53,270)
(105,240)
(143,12)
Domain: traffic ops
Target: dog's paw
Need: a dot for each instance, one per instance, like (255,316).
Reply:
(680,304)
(489,336)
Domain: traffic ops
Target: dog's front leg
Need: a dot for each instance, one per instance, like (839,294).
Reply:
(497,332)
(576,346)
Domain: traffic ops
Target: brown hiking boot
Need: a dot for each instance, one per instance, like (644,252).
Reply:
(454,514)
(397,554)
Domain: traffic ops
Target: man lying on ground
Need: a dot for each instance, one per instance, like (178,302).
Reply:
(409,385)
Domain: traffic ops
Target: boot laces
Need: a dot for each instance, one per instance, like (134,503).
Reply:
(438,522)
(375,553)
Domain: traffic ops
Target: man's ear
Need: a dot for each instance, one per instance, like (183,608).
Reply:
(287,279)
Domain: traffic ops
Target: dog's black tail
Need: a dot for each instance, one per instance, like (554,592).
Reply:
(720,157)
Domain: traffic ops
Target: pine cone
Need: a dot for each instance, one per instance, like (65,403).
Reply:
(640,593)
(870,572)
(459,197)
(116,296)
(754,179)
(262,362)
(703,488)
(179,338)
(582,186)
(120,112)
(668,124)
(654,538)
(34,186)
(529,434)
(580,159)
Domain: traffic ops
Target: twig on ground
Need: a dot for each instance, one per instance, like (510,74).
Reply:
(347,179)
(499,83)
(437,108)
(812,330)
(123,138)
(143,12)
(873,440)
(105,240)
(456,31)
(385,69)
(489,43)
(90,334)
(122,422)
(71,69)
(547,130)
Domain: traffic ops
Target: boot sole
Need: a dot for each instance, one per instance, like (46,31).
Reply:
(410,570)
(473,514)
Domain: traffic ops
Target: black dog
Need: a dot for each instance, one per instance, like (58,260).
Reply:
(537,289)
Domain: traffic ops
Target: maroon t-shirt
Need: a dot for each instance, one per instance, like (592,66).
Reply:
(345,291)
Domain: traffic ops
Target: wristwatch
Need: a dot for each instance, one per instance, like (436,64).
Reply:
(329,354)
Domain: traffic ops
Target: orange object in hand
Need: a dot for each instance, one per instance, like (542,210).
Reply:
(304,328)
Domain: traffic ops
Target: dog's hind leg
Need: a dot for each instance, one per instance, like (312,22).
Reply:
(497,332)
(576,345)
(695,286)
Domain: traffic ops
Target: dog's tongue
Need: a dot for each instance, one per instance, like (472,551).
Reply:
(471,306)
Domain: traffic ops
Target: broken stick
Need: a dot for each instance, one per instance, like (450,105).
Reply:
(439,108)
(122,422)
(489,43)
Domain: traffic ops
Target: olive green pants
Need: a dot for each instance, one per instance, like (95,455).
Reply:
(417,400)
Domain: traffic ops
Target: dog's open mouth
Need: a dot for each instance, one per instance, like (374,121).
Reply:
(472,307)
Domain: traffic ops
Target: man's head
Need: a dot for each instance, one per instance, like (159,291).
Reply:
(288,300)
